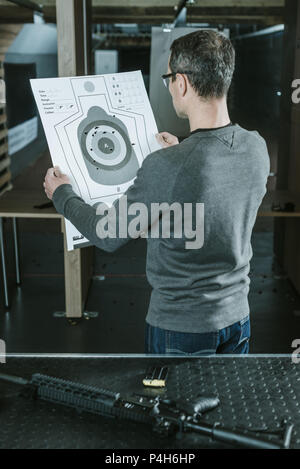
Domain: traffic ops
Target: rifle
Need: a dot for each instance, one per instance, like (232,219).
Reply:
(164,415)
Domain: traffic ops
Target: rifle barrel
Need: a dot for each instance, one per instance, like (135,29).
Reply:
(13,379)
(232,437)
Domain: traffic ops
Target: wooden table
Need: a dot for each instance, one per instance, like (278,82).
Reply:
(281,198)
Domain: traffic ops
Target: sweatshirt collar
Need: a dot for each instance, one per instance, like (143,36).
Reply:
(211,129)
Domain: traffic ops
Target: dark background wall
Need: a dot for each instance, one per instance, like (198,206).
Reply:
(257,80)
(256,89)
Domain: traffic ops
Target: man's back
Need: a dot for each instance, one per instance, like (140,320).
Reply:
(202,290)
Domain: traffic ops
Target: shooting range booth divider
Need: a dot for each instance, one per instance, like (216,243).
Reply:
(8,33)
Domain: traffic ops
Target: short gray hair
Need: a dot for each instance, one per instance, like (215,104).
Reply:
(209,56)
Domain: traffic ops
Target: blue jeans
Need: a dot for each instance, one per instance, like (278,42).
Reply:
(233,339)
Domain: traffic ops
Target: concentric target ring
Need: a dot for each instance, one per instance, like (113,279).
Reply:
(106,145)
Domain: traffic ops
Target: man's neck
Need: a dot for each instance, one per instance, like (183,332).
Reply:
(208,114)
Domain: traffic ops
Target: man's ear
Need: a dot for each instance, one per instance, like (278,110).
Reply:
(182,84)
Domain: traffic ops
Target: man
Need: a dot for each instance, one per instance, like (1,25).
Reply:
(199,302)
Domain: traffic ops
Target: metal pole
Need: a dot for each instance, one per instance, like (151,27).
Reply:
(85,51)
(179,9)
(27,4)
(2,248)
(16,245)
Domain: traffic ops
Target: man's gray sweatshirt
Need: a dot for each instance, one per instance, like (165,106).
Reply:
(194,290)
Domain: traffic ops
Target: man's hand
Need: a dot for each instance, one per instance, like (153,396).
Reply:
(53,179)
(166,140)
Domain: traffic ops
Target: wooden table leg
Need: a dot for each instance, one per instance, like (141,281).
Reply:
(78,274)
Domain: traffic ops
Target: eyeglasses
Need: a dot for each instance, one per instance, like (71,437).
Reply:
(167,76)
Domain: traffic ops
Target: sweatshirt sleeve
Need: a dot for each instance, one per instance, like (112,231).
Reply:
(109,228)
